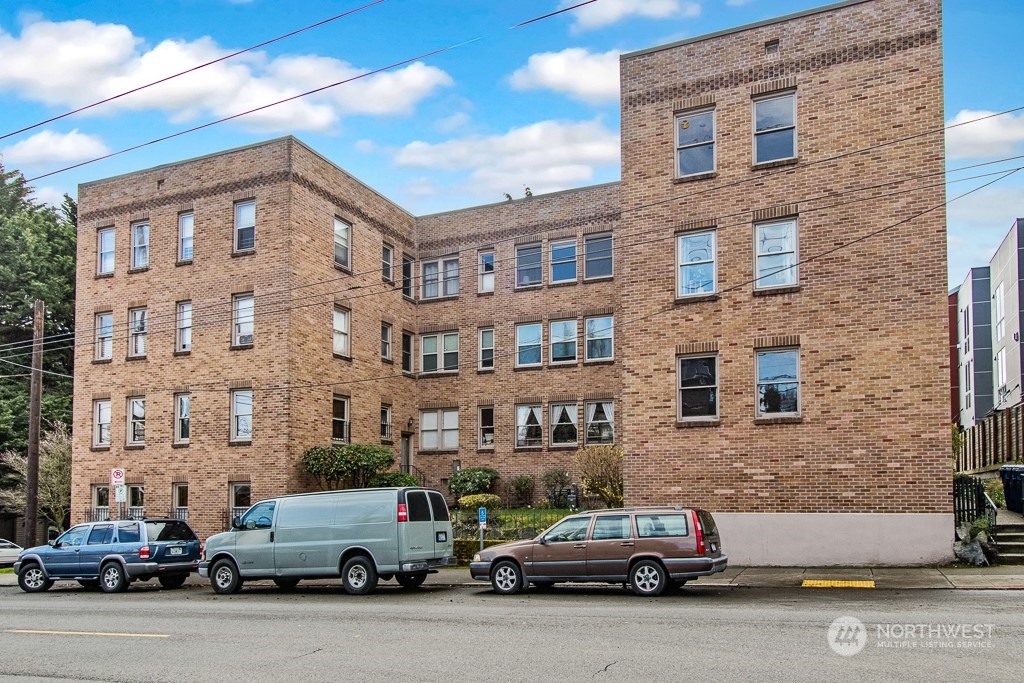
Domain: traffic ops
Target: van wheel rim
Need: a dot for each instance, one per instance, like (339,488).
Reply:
(357,576)
(505,578)
(223,577)
(34,577)
(646,579)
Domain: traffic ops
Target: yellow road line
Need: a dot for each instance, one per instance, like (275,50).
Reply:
(87,633)
(823,583)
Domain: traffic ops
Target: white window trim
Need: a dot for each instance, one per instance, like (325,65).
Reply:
(182,332)
(344,240)
(412,352)
(540,345)
(483,443)
(239,227)
(795,270)
(408,276)
(611,338)
(758,353)
(98,408)
(681,292)
(387,340)
(341,339)
(188,218)
(236,437)
(540,266)
(99,251)
(535,409)
(387,262)
(440,351)
(481,348)
(587,239)
(176,490)
(587,421)
(140,247)
(575,342)
(552,424)
(999,312)
(442,281)
(680,388)
(178,438)
(484,277)
(441,430)
(346,421)
(713,143)
(131,421)
(240,319)
(386,428)
(104,337)
(552,262)
(137,337)
(755,133)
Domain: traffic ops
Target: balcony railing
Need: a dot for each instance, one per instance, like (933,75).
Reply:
(136,512)
(180,513)
(97,513)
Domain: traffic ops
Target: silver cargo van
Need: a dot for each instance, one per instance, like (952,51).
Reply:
(360,535)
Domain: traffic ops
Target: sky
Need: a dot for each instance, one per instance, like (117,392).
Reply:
(497,110)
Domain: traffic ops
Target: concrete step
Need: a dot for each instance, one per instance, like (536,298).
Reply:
(1010,558)
(1010,528)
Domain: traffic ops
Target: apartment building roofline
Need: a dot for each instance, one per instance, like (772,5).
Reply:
(523,199)
(745,27)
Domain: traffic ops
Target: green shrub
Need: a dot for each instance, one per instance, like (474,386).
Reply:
(472,480)
(354,463)
(393,479)
(520,491)
(480,500)
(556,487)
(994,489)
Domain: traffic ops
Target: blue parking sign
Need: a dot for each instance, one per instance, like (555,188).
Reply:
(483,515)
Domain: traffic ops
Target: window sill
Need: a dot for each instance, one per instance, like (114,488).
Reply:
(408,298)
(707,175)
(183,262)
(781,420)
(485,450)
(696,298)
(134,446)
(528,449)
(442,451)
(484,371)
(524,288)
(101,276)
(788,289)
(386,441)
(240,443)
(527,368)
(389,361)
(777,163)
(563,446)
(132,271)
(599,278)
(564,283)
(243,252)
(101,361)
(183,353)
(697,423)
(564,363)
(387,280)
(134,358)
(99,449)
(180,445)
(240,347)
(440,373)
(342,268)
(490,293)
(600,361)
(431,299)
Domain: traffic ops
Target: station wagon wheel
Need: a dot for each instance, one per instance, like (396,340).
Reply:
(359,576)
(224,577)
(411,580)
(32,579)
(507,578)
(647,578)
(112,579)
(173,580)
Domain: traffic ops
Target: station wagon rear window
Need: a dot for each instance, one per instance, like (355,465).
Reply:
(655,526)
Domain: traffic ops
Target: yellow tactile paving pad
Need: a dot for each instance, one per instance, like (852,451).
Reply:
(824,583)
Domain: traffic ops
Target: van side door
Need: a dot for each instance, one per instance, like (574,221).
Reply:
(444,544)
(254,542)
(418,540)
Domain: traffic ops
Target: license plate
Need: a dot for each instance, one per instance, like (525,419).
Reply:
(174,551)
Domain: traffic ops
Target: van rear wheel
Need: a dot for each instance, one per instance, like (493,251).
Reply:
(411,580)
(359,576)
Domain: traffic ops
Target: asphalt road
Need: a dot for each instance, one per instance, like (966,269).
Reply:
(467,633)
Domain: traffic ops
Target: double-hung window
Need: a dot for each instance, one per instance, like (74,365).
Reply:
(697,272)
(529,426)
(183,327)
(563,261)
(775,128)
(529,350)
(695,143)
(440,278)
(562,337)
(775,251)
(182,418)
(778,382)
(439,429)
(241,415)
(104,336)
(186,231)
(342,340)
(485,361)
(242,319)
(140,245)
(385,422)
(101,423)
(439,352)
(105,251)
(486,422)
(597,256)
(600,417)
(698,387)
(137,328)
(406,351)
(245,226)
(485,271)
(342,243)
(407,266)
(599,338)
(385,340)
(136,431)
(564,430)
(528,265)
(339,420)
(387,258)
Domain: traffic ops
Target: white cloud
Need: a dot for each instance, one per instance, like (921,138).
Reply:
(452,123)
(996,136)
(593,78)
(49,195)
(547,156)
(607,12)
(49,147)
(51,61)
(977,225)
(737,3)
(366,146)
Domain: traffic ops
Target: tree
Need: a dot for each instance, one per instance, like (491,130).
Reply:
(54,476)
(354,463)
(600,469)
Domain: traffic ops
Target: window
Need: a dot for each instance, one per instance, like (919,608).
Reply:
(486,422)
(342,243)
(597,257)
(101,534)
(242,314)
(101,423)
(406,351)
(186,230)
(387,258)
(385,422)
(340,420)
(778,384)
(698,387)
(105,251)
(104,336)
(179,498)
(653,526)
(439,429)
(137,325)
(485,361)
(697,267)
(182,415)
(342,340)
(136,501)
(136,432)
(1001,373)
(775,251)
(140,245)
(528,345)
(563,261)
(245,226)
(528,266)
(612,528)
(999,312)
(183,335)
(600,422)
(695,143)
(241,415)
(485,272)
(562,337)
(599,338)
(573,529)
(447,353)
(529,427)
(775,128)
(385,341)
(451,277)
(241,497)
(100,502)
(564,431)
(407,263)
(440,278)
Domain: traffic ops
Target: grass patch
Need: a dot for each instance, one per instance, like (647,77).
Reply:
(7,570)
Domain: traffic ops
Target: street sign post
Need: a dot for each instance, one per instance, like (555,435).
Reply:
(482,515)
(120,490)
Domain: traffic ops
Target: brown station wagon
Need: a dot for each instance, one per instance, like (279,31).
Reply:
(645,547)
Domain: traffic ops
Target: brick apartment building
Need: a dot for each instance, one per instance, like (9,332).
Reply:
(750,312)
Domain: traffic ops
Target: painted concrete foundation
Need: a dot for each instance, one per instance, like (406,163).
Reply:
(822,540)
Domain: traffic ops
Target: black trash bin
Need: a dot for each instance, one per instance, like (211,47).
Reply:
(1013,483)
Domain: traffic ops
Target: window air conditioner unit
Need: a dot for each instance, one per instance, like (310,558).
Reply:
(245,339)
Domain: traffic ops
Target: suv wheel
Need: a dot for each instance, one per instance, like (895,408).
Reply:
(359,576)
(224,577)
(32,579)
(112,578)
(507,578)
(647,578)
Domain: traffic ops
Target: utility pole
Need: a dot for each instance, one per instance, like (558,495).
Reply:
(34,399)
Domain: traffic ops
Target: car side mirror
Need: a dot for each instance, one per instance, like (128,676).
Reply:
(236,522)
(52,543)
(542,540)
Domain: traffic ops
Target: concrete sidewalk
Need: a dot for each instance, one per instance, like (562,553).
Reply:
(1005,577)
